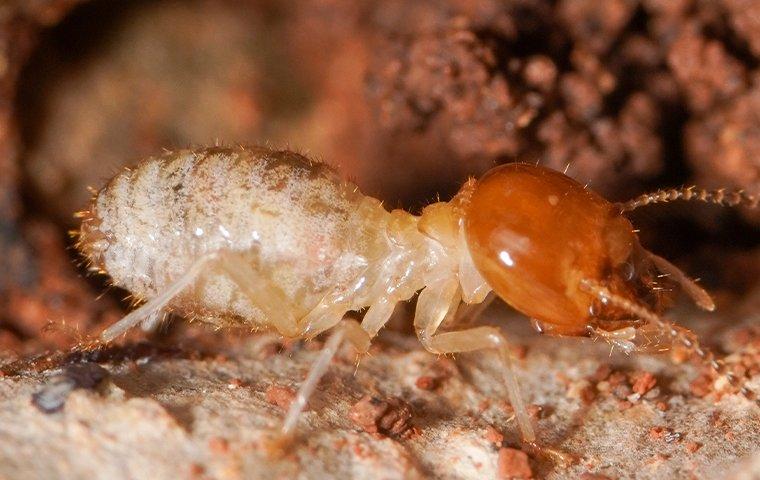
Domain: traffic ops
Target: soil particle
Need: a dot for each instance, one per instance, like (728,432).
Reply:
(219,445)
(469,93)
(280,396)
(513,464)
(692,447)
(536,412)
(389,417)
(540,72)
(596,25)
(594,476)
(437,373)
(665,434)
(494,436)
(426,382)
(706,72)
(54,393)
(642,382)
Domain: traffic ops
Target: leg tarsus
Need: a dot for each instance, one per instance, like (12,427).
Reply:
(315,374)
(357,336)
(559,457)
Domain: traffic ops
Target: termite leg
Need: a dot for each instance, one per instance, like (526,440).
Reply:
(261,293)
(360,336)
(697,293)
(378,315)
(155,305)
(153,321)
(347,330)
(327,314)
(470,312)
(433,305)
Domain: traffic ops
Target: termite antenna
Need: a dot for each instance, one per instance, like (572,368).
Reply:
(675,334)
(719,197)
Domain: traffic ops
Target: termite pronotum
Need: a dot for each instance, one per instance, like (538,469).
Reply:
(270,239)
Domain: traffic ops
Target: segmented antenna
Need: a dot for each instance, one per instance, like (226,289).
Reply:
(720,197)
(676,335)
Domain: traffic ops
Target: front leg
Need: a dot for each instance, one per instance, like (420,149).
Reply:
(433,306)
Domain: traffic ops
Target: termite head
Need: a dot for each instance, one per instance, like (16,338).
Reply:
(540,239)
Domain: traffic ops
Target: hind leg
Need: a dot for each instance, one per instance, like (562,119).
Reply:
(268,298)
(153,307)
(259,291)
(153,322)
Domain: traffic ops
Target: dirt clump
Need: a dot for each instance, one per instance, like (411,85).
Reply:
(387,417)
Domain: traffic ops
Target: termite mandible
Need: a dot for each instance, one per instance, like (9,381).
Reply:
(251,236)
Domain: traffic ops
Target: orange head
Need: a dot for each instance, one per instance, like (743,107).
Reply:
(538,237)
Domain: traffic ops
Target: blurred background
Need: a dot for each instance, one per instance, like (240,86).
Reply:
(407,99)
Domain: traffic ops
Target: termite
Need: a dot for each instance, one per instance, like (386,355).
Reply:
(267,239)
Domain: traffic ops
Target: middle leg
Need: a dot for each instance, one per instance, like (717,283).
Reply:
(347,330)
(330,315)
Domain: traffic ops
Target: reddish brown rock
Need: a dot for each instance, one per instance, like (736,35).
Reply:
(514,464)
(280,396)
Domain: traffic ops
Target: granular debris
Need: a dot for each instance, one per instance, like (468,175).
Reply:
(53,395)
(665,434)
(389,417)
(594,476)
(219,445)
(494,436)
(643,382)
(280,396)
(692,447)
(439,371)
(514,464)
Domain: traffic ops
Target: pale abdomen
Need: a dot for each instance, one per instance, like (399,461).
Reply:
(303,230)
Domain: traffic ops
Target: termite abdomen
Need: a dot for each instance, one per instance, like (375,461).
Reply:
(288,216)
